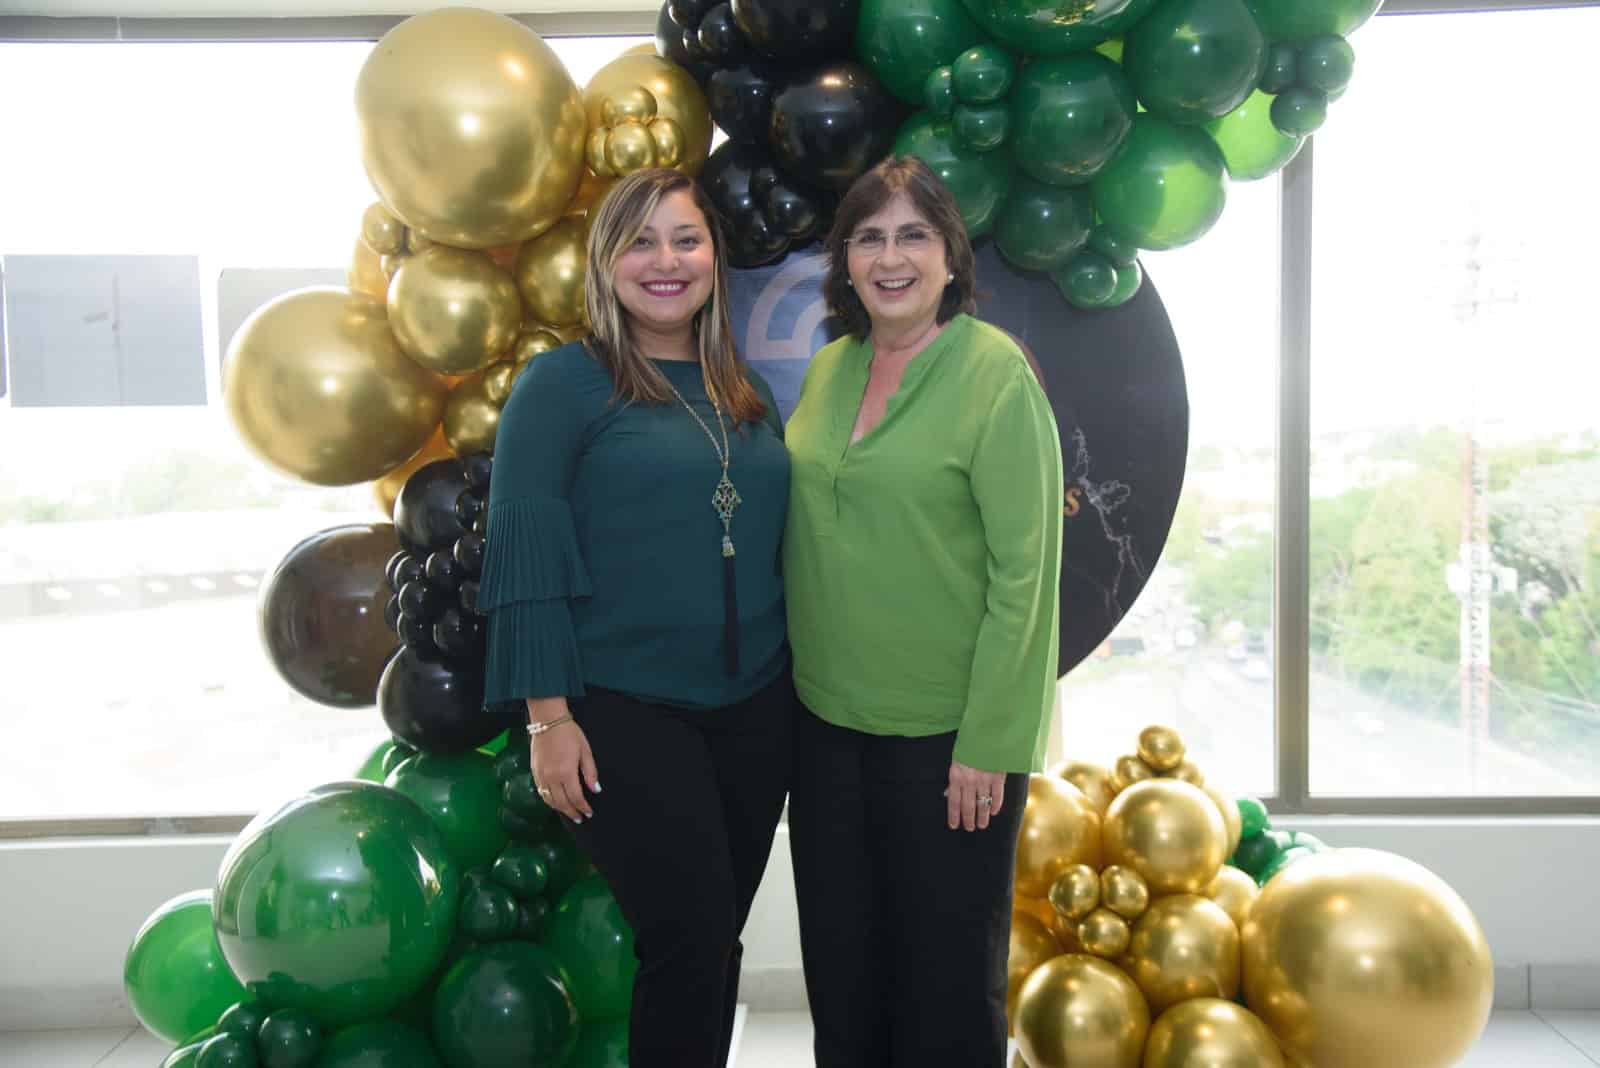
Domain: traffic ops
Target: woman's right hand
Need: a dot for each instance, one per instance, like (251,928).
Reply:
(562,761)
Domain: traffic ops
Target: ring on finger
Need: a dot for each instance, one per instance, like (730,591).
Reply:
(985,799)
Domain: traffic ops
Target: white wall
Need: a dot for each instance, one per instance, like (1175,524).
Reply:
(152,9)
(69,908)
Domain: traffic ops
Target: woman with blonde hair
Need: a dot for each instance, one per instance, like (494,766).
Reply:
(631,582)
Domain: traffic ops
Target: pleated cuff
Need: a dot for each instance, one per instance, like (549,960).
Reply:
(530,554)
(532,652)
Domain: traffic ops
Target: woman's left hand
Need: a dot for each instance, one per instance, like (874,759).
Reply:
(973,796)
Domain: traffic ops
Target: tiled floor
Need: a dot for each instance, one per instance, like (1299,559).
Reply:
(1548,1039)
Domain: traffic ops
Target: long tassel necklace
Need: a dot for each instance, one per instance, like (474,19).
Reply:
(724,499)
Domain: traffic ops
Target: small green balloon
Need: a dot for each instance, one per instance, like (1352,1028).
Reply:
(532,916)
(1282,69)
(1251,146)
(227,1049)
(1042,226)
(488,913)
(245,1018)
(505,1004)
(174,975)
(1052,28)
(1327,64)
(399,754)
(378,1044)
(1253,817)
(520,828)
(1300,20)
(289,1038)
(1069,117)
(982,128)
(371,769)
(1309,841)
(562,860)
(977,180)
(184,1056)
(522,871)
(1254,854)
(594,945)
(902,41)
(462,795)
(1192,61)
(983,74)
(1281,861)
(1129,278)
(513,763)
(939,93)
(603,1044)
(521,794)
(1113,246)
(1299,112)
(1165,188)
(1088,281)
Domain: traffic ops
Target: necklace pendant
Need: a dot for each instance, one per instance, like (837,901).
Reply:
(727,545)
(725,500)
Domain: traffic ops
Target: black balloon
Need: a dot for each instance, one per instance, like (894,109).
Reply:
(403,568)
(468,508)
(832,124)
(740,101)
(669,44)
(469,555)
(391,612)
(720,37)
(416,634)
(468,595)
(436,707)
(478,468)
(799,29)
(423,601)
(425,512)
(389,569)
(459,634)
(757,202)
(687,13)
(442,570)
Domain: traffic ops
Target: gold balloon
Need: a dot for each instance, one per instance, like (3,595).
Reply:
(1104,933)
(590,193)
(550,273)
(383,233)
(1076,892)
(1188,772)
(1161,747)
(390,262)
(1229,808)
(453,311)
(317,387)
(471,129)
(1092,779)
(1357,958)
(533,343)
(386,490)
(1235,892)
(1169,832)
(471,417)
(416,243)
(366,274)
(1060,828)
(669,140)
(629,148)
(676,95)
(1184,946)
(1210,1033)
(497,380)
(1129,770)
(1077,1011)
(1124,892)
(1031,945)
(1065,930)
(635,105)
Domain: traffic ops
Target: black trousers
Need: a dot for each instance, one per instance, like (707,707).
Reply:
(682,829)
(904,923)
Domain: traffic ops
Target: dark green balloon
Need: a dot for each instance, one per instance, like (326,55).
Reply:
(981,128)
(603,1044)
(244,1018)
(504,1004)
(1054,28)
(1251,146)
(1327,64)
(1301,20)
(562,860)
(341,902)
(397,756)
(532,915)
(1298,112)
(1129,278)
(594,946)
(1042,226)
(983,74)
(289,1038)
(939,93)
(462,795)
(513,763)
(372,769)
(1253,817)
(227,1049)
(183,1057)
(521,870)
(379,1044)
(174,974)
(1088,281)
(1281,861)
(488,913)
(1113,246)
(1069,116)
(978,180)
(1192,61)
(902,41)
(1254,854)
(522,795)
(1282,69)
(1165,188)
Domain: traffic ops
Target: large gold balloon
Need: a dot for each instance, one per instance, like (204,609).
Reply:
(471,129)
(550,273)
(1169,832)
(1357,958)
(317,387)
(365,274)
(591,191)
(1229,809)
(471,415)
(1060,828)
(1078,1011)
(1184,946)
(675,98)
(1211,1033)
(453,311)
(1092,779)
(1235,891)
(1161,747)
(1031,945)
(386,490)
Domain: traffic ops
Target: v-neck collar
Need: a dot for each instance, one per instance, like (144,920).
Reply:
(861,373)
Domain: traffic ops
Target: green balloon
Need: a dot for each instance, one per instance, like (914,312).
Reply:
(1054,28)
(562,860)
(1129,278)
(594,946)
(1282,69)
(1069,116)
(983,74)
(1253,818)
(1113,246)
(397,756)
(505,1004)
(939,93)
(603,1044)
(174,974)
(1042,226)
(488,912)
(522,794)
(289,1038)
(1298,112)
(371,769)
(1088,281)
(1281,861)
(513,763)
(183,1057)
(1192,61)
(1309,841)
(1326,64)
(497,745)
(461,793)
(522,871)
(244,1018)
(227,1049)
(902,41)
(379,1044)
(1165,188)
(532,916)
(981,128)
(341,902)
(1301,20)
(978,180)
(1251,146)
(1254,854)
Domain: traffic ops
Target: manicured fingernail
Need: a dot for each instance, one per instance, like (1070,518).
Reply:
(596,786)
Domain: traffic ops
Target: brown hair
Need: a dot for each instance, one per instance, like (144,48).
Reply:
(869,194)
(615,225)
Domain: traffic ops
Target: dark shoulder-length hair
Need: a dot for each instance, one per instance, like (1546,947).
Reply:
(869,194)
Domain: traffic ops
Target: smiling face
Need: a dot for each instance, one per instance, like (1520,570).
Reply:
(665,276)
(898,266)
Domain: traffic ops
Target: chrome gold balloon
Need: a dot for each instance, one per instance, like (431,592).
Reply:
(1124,892)
(391,261)
(1031,945)
(675,96)
(471,129)
(629,148)
(416,243)
(1104,934)
(590,193)
(317,387)
(1128,770)
(550,273)
(386,490)
(1184,946)
(1161,747)
(366,274)
(1229,809)
(1210,1033)
(1188,772)
(497,380)
(471,417)
(1076,892)
(1235,891)
(533,343)
(453,311)
(1092,779)
(1357,958)
(1065,930)
(1169,832)
(1077,1011)
(1060,828)
(383,233)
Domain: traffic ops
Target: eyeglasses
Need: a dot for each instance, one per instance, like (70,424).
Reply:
(871,242)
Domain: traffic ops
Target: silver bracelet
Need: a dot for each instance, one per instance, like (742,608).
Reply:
(536,727)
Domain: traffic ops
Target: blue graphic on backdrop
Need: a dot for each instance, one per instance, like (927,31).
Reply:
(780,320)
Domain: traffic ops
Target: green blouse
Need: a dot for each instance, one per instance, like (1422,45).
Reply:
(923,562)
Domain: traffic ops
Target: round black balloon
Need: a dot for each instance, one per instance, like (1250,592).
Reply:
(403,567)
(416,634)
(468,508)
(459,635)
(391,612)
(755,200)
(389,569)
(423,601)
(469,555)
(720,37)
(799,29)
(442,570)
(436,707)
(478,467)
(739,98)
(425,511)
(669,44)
(468,595)
(686,14)
(833,123)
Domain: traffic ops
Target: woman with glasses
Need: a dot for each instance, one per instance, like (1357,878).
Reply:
(921,564)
